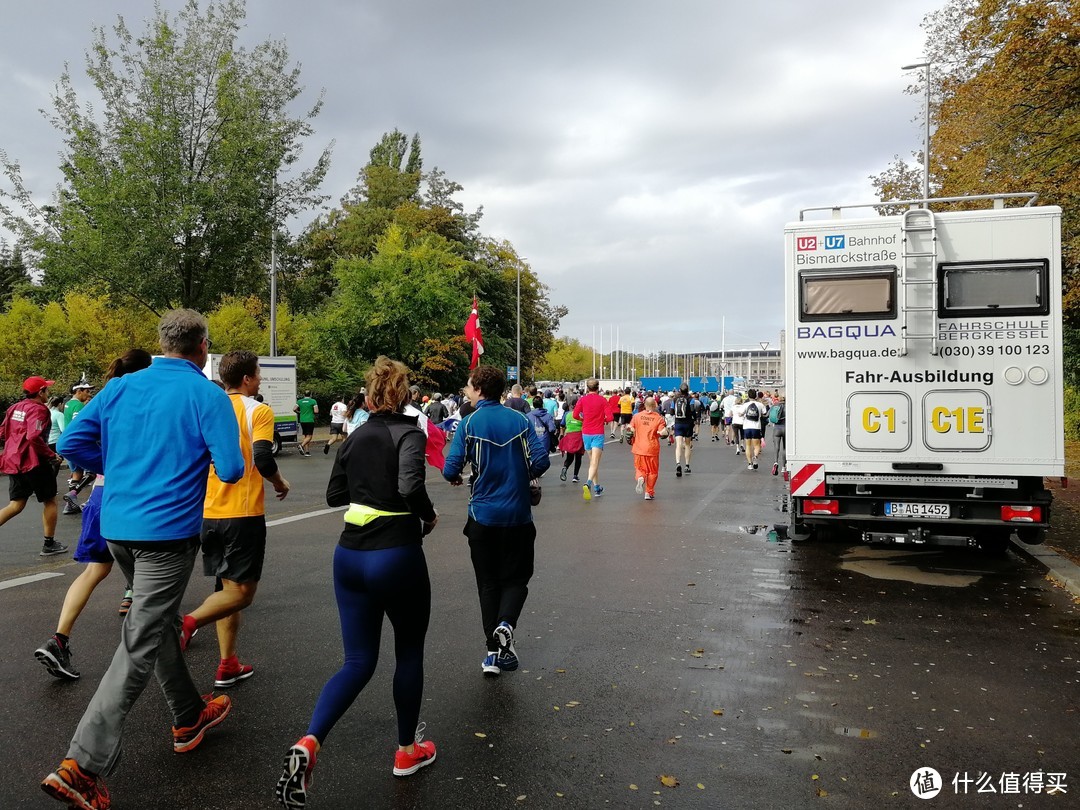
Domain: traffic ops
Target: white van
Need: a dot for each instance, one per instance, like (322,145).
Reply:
(924,372)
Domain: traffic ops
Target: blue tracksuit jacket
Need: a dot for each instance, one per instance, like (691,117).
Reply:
(506,453)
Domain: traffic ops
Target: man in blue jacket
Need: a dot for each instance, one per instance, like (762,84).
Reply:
(152,515)
(506,455)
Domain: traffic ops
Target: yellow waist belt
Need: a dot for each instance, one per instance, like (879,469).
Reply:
(360,515)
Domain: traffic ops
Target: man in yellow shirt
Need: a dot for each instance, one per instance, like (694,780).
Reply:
(626,413)
(234,519)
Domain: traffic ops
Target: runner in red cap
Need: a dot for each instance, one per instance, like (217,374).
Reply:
(28,462)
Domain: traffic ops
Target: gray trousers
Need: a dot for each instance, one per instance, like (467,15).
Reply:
(149,642)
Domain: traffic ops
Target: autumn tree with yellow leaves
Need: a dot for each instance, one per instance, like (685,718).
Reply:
(1005,112)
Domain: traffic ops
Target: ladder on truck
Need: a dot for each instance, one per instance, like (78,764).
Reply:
(918,291)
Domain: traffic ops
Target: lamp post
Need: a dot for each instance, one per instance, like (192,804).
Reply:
(273,268)
(926,133)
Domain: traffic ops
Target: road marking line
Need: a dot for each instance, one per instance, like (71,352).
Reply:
(11,583)
(305,516)
(779,586)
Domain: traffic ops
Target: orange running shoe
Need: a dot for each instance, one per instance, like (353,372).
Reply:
(70,783)
(215,710)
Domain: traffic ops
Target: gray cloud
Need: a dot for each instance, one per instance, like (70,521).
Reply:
(643,156)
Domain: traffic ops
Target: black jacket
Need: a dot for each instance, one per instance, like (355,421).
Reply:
(381,465)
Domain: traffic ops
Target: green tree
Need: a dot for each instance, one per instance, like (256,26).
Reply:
(82,333)
(14,279)
(240,324)
(497,287)
(410,290)
(397,266)
(384,181)
(171,179)
(567,359)
(388,192)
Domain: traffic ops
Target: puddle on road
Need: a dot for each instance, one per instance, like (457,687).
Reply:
(775,534)
(904,565)
(858,733)
(771,532)
(754,528)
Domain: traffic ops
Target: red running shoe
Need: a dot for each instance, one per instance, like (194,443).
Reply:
(295,779)
(230,672)
(70,783)
(187,632)
(406,764)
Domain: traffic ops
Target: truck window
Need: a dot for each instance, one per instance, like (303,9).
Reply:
(860,294)
(988,288)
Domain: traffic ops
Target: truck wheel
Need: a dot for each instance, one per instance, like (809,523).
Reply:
(800,532)
(277,445)
(1031,536)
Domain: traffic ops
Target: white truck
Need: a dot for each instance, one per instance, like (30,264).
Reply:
(924,372)
(278,390)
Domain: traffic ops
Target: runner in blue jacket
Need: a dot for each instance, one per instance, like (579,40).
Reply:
(506,454)
(151,513)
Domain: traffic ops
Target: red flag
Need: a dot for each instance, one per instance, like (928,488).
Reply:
(436,437)
(436,441)
(473,333)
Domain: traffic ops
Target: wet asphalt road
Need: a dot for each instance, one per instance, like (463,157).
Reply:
(660,639)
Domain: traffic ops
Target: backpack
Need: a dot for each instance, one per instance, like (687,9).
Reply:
(682,411)
(752,412)
(776,414)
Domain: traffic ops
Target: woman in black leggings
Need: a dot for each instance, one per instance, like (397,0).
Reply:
(379,569)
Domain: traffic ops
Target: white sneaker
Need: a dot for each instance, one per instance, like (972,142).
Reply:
(749,466)
(640,486)
(648,497)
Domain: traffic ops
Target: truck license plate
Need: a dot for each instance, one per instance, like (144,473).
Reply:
(934,511)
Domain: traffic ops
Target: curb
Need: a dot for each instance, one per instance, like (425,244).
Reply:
(1065,572)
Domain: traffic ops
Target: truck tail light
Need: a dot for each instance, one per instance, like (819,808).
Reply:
(787,475)
(1021,514)
(821,507)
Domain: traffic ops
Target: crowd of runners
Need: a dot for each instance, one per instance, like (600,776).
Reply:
(153,521)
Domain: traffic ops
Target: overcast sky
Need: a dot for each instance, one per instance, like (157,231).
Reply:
(643,156)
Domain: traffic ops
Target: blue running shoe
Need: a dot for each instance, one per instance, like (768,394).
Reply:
(598,491)
(507,660)
(504,637)
(490,665)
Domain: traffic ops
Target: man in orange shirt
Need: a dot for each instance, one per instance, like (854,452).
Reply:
(234,518)
(646,428)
